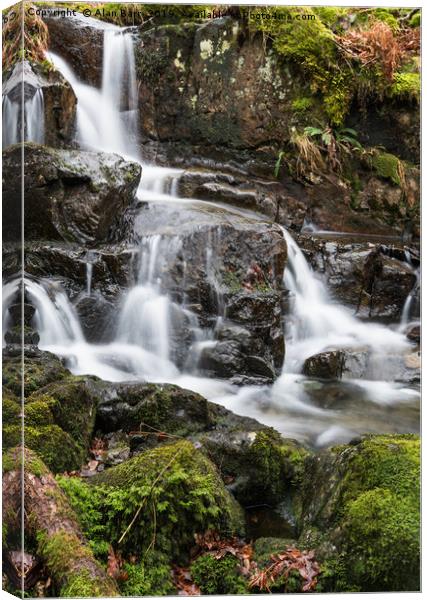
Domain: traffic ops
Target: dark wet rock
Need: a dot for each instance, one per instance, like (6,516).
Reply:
(112,266)
(224,359)
(80,41)
(414,334)
(118,449)
(97,317)
(337,364)
(326,365)
(371,276)
(70,195)
(131,407)
(59,101)
(231,266)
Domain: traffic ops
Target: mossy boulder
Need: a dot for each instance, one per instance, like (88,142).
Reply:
(39,370)
(58,419)
(133,406)
(166,494)
(263,467)
(366,499)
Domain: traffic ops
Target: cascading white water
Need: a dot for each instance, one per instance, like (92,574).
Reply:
(100,122)
(317,323)
(11,133)
(54,318)
(142,347)
(33,120)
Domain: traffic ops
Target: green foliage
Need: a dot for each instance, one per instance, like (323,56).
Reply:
(302,105)
(86,501)
(415,20)
(218,576)
(387,166)
(150,577)
(406,85)
(275,465)
(159,498)
(380,505)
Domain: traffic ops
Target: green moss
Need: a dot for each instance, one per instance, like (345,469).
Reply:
(386,16)
(415,20)
(218,576)
(150,577)
(11,410)
(406,85)
(387,166)
(302,105)
(275,465)
(172,492)
(54,446)
(380,524)
(39,412)
(38,372)
(61,552)
(379,512)
(13,460)
(73,407)
(231,281)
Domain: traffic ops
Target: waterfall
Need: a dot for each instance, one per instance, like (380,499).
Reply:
(107,118)
(317,323)
(33,120)
(152,322)
(54,318)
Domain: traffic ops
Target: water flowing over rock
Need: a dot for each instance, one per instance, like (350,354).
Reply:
(49,106)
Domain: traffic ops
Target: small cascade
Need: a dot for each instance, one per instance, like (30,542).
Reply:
(54,317)
(11,133)
(317,323)
(106,116)
(412,298)
(33,120)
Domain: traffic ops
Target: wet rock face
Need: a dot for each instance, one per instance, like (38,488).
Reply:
(69,195)
(79,40)
(233,91)
(59,101)
(227,266)
(371,277)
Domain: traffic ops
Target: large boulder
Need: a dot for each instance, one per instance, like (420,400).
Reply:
(80,41)
(69,195)
(226,265)
(360,505)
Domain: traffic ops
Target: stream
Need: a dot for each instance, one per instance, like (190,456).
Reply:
(317,412)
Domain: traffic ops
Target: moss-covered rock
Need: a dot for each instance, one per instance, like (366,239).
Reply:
(166,494)
(54,446)
(58,419)
(366,499)
(39,370)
